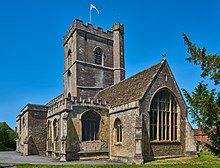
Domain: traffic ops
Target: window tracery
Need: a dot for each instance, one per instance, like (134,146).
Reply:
(90,126)
(163,117)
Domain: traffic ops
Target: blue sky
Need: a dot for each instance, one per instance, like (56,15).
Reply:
(31,33)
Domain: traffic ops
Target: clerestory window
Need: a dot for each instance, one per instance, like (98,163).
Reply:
(90,126)
(98,56)
(163,117)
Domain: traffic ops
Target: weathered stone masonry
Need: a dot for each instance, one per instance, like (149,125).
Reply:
(32,139)
(101,115)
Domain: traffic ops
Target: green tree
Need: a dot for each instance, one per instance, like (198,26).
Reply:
(7,137)
(204,103)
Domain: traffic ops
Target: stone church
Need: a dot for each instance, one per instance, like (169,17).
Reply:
(102,115)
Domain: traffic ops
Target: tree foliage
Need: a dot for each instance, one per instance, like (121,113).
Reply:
(7,137)
(209,64)
(203,103)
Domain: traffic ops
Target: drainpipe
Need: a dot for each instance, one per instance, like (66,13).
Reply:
(108,134)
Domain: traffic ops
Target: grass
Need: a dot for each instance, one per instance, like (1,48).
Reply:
(206,160)
(123,166)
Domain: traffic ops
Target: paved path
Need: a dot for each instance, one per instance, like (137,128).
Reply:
(14,157)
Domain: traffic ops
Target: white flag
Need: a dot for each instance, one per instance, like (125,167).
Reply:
(93,7)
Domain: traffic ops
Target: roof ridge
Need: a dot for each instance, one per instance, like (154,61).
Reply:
(162,63)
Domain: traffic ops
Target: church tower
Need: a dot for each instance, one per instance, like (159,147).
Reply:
(93,59)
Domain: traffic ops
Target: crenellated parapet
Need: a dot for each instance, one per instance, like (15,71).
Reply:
(88,102)
(58,106)
(57,99)
(78,25)
(67,104)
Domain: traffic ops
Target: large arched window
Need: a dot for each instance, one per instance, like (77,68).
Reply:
(90,126)
(118,130)
(163,117)
(98,55)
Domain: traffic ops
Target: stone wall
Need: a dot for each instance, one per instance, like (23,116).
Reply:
(190,140)
(75,145)
(54,134)
(86,78)
(31,130)
(127,150)
(22,132)
(38,131)
(82,40)
(92,79)
(166,80)
(78,24)
(88,42)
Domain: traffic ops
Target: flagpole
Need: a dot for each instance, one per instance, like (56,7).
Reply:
(90,21)
(92,7)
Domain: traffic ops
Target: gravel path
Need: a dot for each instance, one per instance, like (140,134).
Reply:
(14,157)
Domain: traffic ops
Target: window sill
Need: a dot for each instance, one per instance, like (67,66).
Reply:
(166,142)
(92,141)
(118,144)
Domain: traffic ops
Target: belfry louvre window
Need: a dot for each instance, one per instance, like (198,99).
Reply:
(90,126)
(118,130)
(163,117)
(98,56)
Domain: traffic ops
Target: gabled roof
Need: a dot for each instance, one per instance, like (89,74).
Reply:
(130,89)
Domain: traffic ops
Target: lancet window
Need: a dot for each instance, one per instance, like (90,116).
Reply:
(118,130)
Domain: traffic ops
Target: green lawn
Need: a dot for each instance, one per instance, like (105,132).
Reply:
(122,166)
(206,160)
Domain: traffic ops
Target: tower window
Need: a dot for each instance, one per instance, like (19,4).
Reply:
(98,56)
(69,57)
(69,73)
(69,96)
(69,78)
(163,117)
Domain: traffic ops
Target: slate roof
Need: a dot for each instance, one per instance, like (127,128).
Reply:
(34,107)
(130,89)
